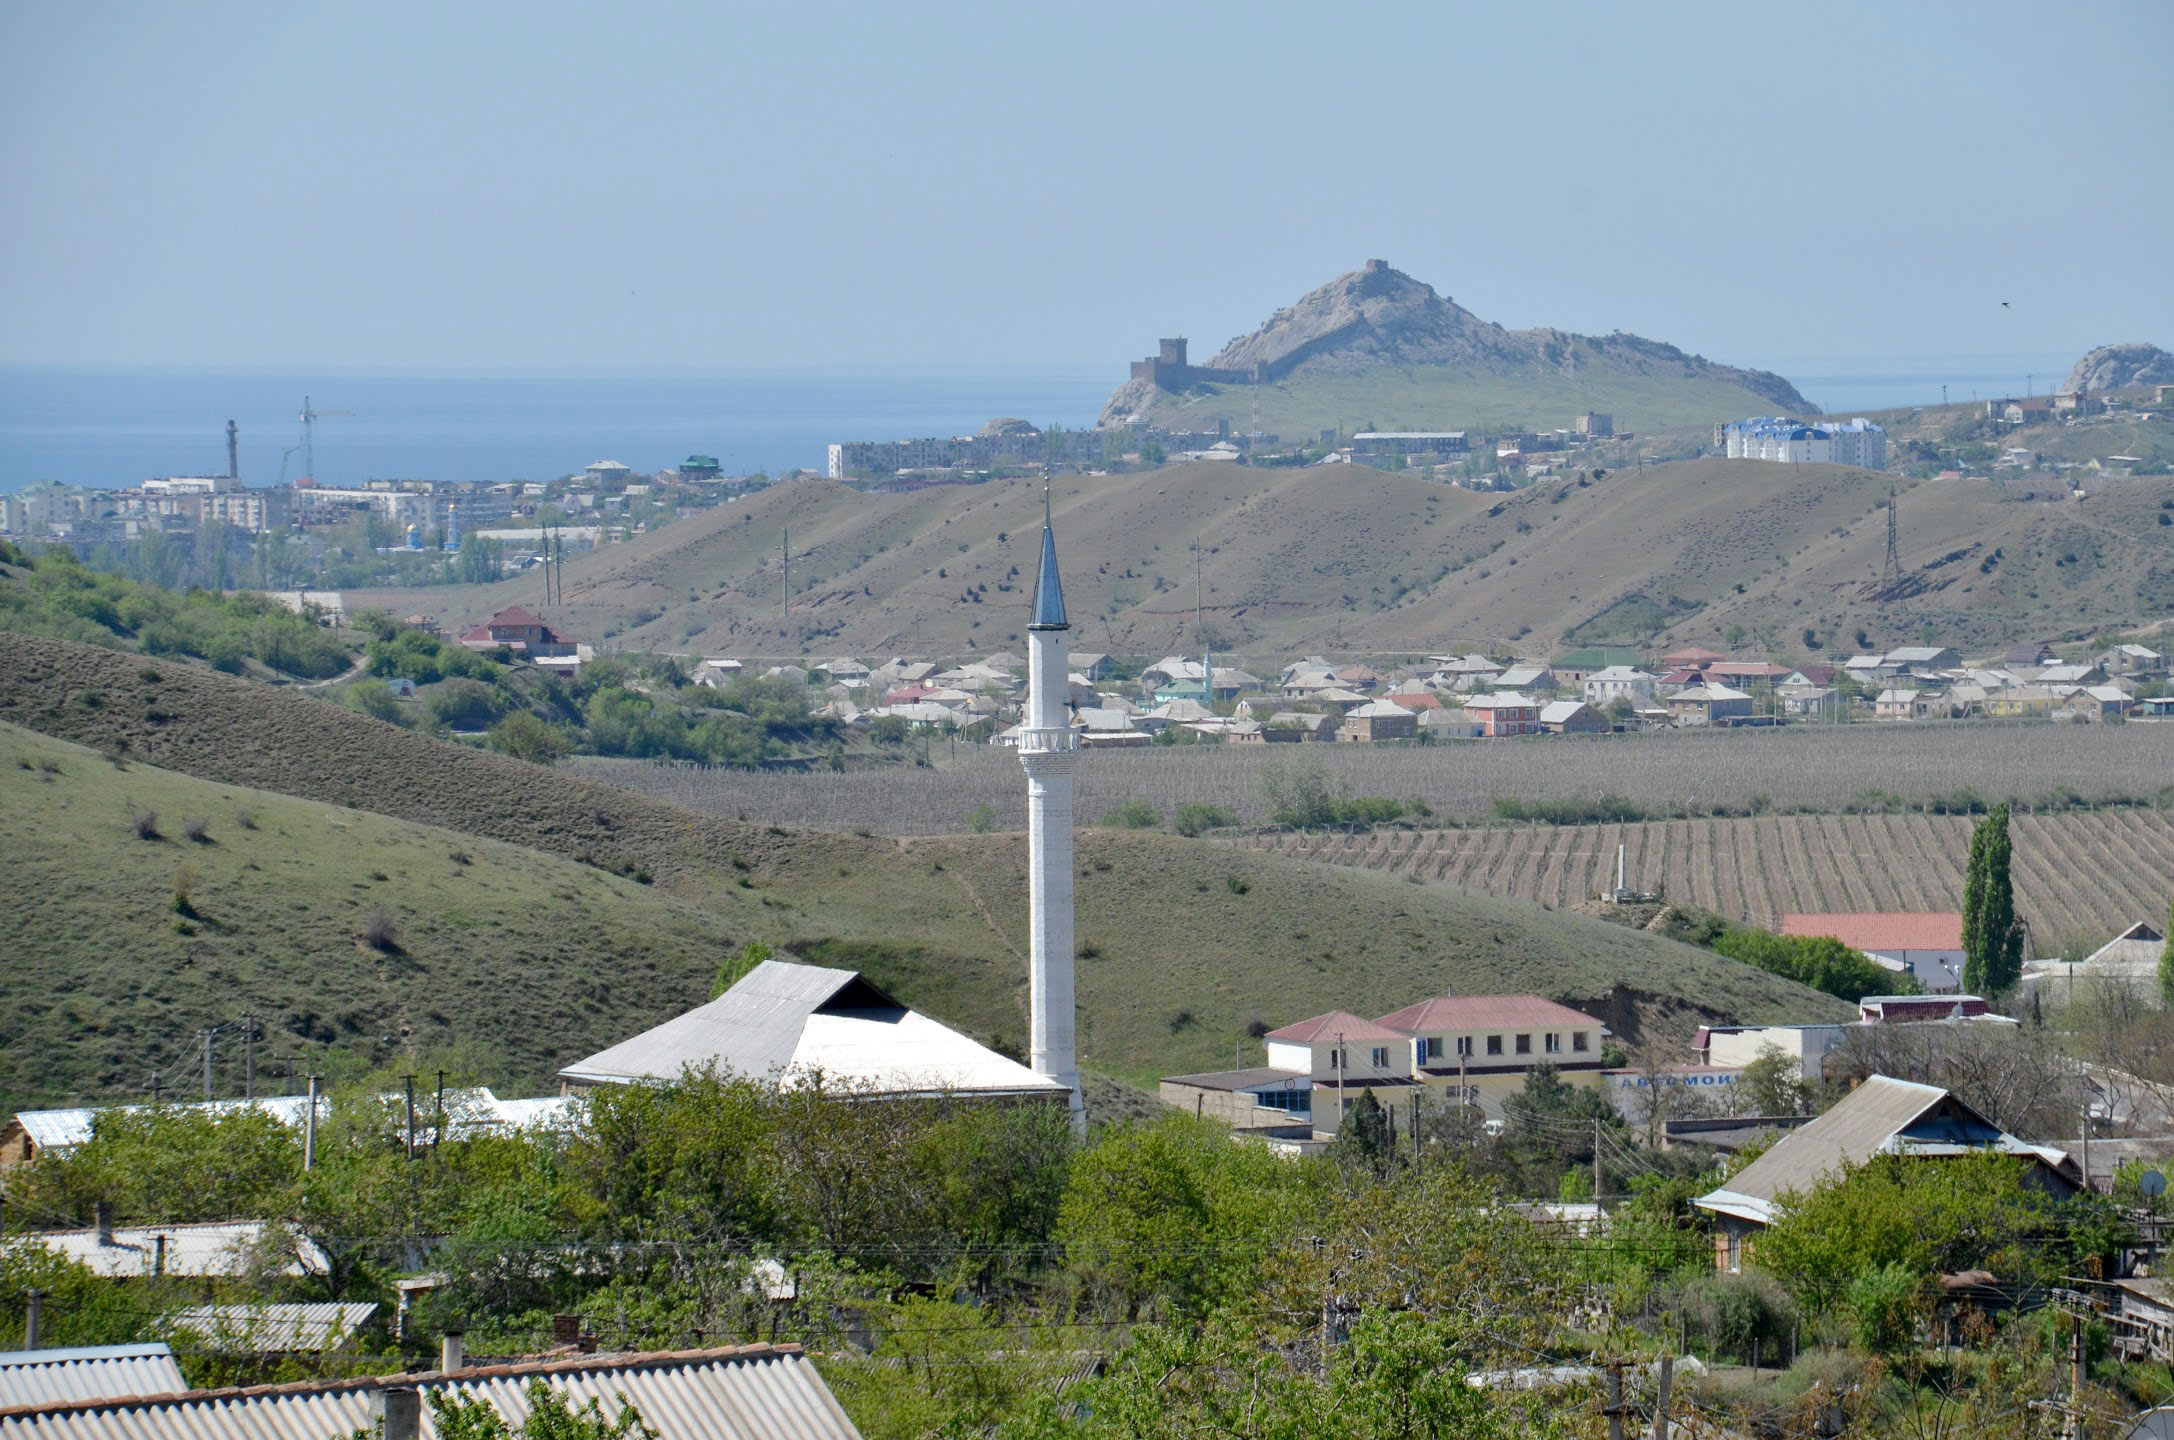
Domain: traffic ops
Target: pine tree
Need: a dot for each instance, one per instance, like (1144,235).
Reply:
(1992,938)
(1363,1135)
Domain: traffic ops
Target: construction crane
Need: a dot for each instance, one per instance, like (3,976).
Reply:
(310,417)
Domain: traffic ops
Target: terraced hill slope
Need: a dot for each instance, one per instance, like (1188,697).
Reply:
(1182,942)
(1352,560)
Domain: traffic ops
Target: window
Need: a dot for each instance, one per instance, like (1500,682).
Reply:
(1524,1044)
(1434,1048)
(1554,1044)
(1494,1044)
(1381,1058)
(1580,1041)
(1336,1059)
(1464,1046)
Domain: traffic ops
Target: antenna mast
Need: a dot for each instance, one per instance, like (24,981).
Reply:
(785,557)
(233,451)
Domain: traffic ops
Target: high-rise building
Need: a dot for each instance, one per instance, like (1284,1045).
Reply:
(1050,752)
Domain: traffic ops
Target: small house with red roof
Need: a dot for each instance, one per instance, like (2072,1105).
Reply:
(1928,945)
(1691,658)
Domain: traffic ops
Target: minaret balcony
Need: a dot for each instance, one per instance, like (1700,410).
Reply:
(1044,742)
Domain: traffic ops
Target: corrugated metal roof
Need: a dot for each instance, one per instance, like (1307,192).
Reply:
(66,1129)
(224,1248)
(270,1327)
(88,1372)
(785,1021)
(468,1110)
(749,1392)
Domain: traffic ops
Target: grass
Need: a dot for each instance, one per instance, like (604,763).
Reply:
(492,962)
(1162,925)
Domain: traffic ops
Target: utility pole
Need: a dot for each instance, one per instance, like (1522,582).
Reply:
(1614,1408)
(249,1057)
(785,559)
(309,1129)
(1596,1164)
(1660,1401)
(1892,575)
(233,451)
(33,1318)
(411,1116)
(441,1109)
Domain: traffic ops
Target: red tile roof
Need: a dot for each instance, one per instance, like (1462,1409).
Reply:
(1691,656)
(1416,703)
(1337,1025)
(516,616)
(1486,1012)
(1883,930)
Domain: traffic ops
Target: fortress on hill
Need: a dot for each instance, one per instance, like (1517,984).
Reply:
(1169,370)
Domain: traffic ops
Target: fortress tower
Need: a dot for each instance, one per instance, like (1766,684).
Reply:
(1050,752)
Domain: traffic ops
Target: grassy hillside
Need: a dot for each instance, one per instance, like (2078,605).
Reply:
(1175,927)
(491,959)
(1358,560)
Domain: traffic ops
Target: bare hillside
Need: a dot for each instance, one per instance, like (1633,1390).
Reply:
(1351,560)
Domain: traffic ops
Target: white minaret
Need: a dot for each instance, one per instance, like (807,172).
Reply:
(1050,751)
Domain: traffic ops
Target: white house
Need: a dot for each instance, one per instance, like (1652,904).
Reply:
(1604,686)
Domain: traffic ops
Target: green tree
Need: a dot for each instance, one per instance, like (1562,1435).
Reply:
(1992,938)
(1772,1084)
(2166,961)
(526,737)
(467,1417)
(1133,814)
(1363,1136)
(733,971)
(1198,819)
(375,699)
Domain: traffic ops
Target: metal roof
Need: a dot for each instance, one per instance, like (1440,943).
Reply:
(250,1329)
(66,1129)
(1487,1012)
(1338,1025)
(786,1021)
(225,1248)
(748,1392)
(88,1372)
(1048,589)
(1880,1116)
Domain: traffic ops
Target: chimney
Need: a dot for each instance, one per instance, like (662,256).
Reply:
(158,1256)
(104,1212)
(399,1412)
(565,1329)
(450,1357)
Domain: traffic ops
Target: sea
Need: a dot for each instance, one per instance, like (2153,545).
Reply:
(119,427)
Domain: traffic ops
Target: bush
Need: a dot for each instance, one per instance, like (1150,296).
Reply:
(197,828)
(1886,1306)
(1134,814)
(146,824)
(379,931)
(525,737)
(464,705)
(981,819)
(1198,819)
(888,730)
(375,699)
(1732,1312)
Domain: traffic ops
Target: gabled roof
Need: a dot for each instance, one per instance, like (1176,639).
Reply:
(516,615)
(1336,1026)
(1559,711)
(733,1393)
(1485,1012)
(1500,700)
(1698,693)
(1883,930)
(786,1022)
(1379,710)
(1881,1116)
(87,1372)
(271,1326)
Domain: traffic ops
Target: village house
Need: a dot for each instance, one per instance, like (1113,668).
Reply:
(1882,1116)
(1526,676)
(2100,702)
(1707,705)
(1806,1047)
(1691,658)
(1618,682)
(2021,702)
(1579,666)
(1504,714)
(1928,946)
(1378,720)
(1908,704)
(1573,717)
(1443,723)
(1921,660)
(522,632)
(1471,1050)
(1306,724)
(2133,661)
(87,1372)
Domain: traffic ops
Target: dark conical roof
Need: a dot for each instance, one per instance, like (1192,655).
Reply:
(1048,589)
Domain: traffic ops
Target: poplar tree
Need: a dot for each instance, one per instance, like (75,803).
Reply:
(2166,962)
(1992,939)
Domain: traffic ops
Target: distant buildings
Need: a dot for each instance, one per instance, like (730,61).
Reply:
(1770,437)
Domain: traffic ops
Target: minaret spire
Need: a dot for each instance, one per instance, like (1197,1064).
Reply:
(1050,752)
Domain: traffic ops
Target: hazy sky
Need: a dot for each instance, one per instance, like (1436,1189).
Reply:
(713,187)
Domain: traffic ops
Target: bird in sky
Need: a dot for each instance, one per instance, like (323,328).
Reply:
(2003,304)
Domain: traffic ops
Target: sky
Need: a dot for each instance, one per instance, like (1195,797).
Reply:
(715,188)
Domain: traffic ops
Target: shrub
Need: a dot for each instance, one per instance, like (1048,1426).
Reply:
(1198,819)
(525,737)
(1134,814)
(197,828)
(1885,1305)
(146,824)
(379,931)
(247,819)
(981,819)
(464,704)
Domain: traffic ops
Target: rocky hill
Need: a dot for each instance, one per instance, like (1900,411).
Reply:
(1378,319)
(2119,367)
